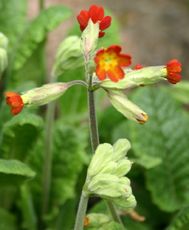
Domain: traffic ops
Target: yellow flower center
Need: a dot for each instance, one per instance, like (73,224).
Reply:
(108,61)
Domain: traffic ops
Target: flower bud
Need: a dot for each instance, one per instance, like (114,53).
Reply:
(69,55)
(89,39)
(96,220)
(35,97)
(3,60)
(45,94)
(121,147)
(106,172)
(126,107)
(135,78)
(126,203)
(3,41)
(103,155)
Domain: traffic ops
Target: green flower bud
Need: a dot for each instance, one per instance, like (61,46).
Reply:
(45,94)
(3,60)
(107,185)
(103,155)
(3,41)
(96,220)
(89,39)
(126,107)
(135,78)
(123,167)
(121,147)
(69,55)
(125,202)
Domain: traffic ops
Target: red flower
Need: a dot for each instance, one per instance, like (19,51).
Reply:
(96,14)
(138,66)
(174,68)
(15,101)
(109,63)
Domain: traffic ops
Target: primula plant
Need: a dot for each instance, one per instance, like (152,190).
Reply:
(50,177)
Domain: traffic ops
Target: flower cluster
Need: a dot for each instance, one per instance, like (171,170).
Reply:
(106,174)
(96,14)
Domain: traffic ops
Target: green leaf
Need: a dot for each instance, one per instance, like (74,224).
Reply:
(181,220)
(37,31)
(7,220)
(69,158)
(164,136)
(12,19)
(13,172)
(19,135)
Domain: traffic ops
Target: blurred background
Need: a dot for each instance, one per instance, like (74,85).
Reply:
(153,31)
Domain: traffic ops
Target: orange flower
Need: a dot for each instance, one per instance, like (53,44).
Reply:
(174,68)
(109,63)
(15,101)
(96,14)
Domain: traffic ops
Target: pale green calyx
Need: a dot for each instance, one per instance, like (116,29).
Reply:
(107,170)
(3,41)
(96,220)
(3,52)
(3,60)
(69,55)
(126,107)
(44,94)
(135,78)
(89,39)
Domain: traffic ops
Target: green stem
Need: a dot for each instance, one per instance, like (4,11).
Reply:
(95,142)
(81,211)
(41,4)
(47,170)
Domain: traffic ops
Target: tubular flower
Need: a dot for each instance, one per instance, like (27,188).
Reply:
(96,14)
(109,63)
(14,100)
(174,68)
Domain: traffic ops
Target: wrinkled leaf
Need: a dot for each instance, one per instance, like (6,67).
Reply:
(14,171)
(19,134)
(162,137)
(36,32)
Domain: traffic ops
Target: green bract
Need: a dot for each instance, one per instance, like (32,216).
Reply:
(106,173)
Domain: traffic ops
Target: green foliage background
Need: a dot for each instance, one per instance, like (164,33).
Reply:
(160,148)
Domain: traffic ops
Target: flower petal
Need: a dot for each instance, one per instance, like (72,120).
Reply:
(83,18)
(124,60)
(96,13)
(100,72)
(174,78)
(114,48)
(105,23)
(101,34)
(115,74)
(174,66)
(99,55)
(15,101)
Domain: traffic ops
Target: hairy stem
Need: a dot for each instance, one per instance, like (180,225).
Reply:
(81,211)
